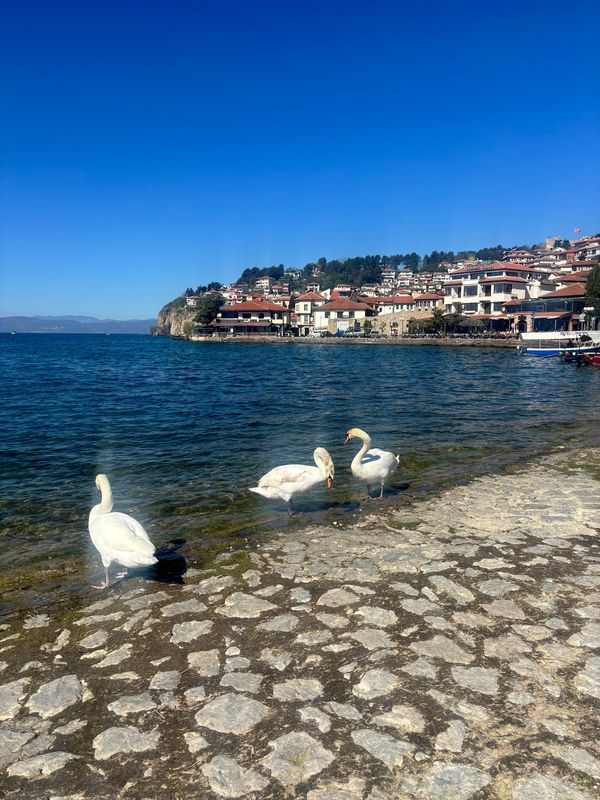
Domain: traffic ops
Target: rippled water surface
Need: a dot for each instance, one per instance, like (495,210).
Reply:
(182,429)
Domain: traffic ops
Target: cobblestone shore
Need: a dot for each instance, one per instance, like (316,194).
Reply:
(445,652)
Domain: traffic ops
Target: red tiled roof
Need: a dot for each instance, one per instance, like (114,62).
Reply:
(498,265)
(576,290)
(343,304)
(310,296)
(252,305)
(428,296)
(574,277)
(503,279)
(397,299)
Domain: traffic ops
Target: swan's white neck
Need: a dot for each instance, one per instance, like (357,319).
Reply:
(356,461)
(105,506)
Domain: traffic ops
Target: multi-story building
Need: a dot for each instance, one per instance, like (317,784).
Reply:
(264,284)
(484,290)
(304,308)
(560,310)
(252,317)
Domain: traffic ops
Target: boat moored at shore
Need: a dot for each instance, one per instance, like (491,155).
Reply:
(553,343)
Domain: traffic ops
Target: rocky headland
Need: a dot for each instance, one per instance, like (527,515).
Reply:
(444,652)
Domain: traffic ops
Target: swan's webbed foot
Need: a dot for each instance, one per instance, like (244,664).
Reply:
(369,490)
(105,583)
(290,508)
(381,493)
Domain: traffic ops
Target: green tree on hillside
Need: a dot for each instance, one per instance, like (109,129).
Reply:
(208,308)
(592,290)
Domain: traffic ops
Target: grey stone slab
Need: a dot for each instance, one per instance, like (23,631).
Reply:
(588,636)
(335,621)
(382,746)
(242,681)
(343,710)
(40,766)
(232,713)
(314,637)
(284,622)
(126,739)
(312,714)
(337,598)
(419,606)
(477,679)
(546,787)
(228,779)
(577,758)
(295,758)
(115,657)
(298,689)
(442,648)
(184,632)
(12,695)
(278,659)
(192,606)
(452,738)
(371,638)
(420,668)
(167,680)
(587,681)
(195,742)
(443,781)
(54,697)
(132,704)
(374,615)
(205,662)
(244,606)
(507,609)
(460,594)
(405,719)
(375,683)
(94,640)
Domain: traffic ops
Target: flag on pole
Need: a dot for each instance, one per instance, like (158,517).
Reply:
(577,230)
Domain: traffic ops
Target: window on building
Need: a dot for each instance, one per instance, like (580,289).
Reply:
(327,314)
(470,291)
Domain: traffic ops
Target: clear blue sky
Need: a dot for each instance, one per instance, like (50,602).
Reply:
(148,146)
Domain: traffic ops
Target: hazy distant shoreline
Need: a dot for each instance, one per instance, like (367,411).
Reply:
(74,324)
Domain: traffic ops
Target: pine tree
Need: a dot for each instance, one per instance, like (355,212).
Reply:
(592,293)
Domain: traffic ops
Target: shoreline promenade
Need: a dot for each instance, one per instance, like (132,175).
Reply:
(446,650)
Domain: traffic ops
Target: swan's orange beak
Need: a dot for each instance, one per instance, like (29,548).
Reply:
(329,483)
(346,439)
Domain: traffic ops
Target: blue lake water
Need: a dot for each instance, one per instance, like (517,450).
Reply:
(182,429)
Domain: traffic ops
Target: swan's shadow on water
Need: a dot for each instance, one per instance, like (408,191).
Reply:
(170,567)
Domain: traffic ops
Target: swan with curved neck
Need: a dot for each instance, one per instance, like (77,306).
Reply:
(118,537)
(287,481)
(371,465)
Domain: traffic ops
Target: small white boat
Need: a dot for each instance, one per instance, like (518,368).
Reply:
(550,344)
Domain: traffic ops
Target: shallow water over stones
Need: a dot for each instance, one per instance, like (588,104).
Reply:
(146,690)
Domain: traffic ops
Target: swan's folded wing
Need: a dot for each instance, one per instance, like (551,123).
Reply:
(286,474)
(121,533)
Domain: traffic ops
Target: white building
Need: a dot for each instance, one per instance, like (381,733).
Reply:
(341,315)
(304,309)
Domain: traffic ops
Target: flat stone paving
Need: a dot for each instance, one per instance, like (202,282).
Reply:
(443,652)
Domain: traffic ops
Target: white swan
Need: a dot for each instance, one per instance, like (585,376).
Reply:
(371,465)
(117,537)
(291,479)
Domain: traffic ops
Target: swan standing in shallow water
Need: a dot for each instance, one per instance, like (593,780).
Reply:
(291,479)
(117,537)
(371,465)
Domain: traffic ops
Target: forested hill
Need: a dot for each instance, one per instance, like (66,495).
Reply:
(366,269)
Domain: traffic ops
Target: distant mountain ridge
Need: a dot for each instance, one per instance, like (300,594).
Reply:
(74,324)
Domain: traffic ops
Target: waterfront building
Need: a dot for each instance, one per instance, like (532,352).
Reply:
(257,316)
(484,290)
(304,307)
(559,310)
(341,314)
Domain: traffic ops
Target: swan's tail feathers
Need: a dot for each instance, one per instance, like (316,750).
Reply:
(269,492)
(131,559)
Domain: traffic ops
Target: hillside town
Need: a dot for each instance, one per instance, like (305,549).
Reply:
(537,289)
